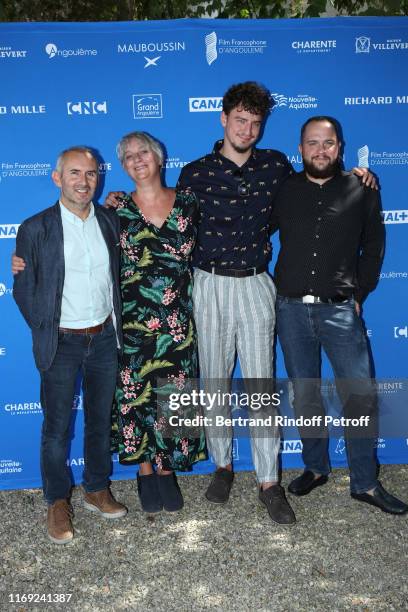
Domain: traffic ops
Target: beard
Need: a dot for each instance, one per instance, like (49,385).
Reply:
(321,173)
(239,149)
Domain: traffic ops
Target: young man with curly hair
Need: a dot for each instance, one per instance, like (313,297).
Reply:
(234,296)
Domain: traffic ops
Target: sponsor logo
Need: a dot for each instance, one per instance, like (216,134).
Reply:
(211,48)
(328,388)
(9,230)
(313,46)
(10,53)
(10,466)
(341,446)
(23,408)
(23,109)
(52,51)
(376,100)
(77,403)
(401,332)
(387,388)
(75,462)
(291,447)
(364,44)
(216,46)
(174,162)
(147,106)
(298,102)
(152,47)
(362,154)
(204,105)
(156,48)
(369,333)
(4,290)
(295,159)
(393,275)
(2,351)
(367,158)
(394,217)
(380,443)
(87,108)
(104,167)
(18,169)
(151,61)
(80,461)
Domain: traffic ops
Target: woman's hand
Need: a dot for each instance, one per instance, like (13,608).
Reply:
(17,264)
(113,198)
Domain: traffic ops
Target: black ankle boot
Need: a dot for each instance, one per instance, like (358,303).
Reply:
(170,493)
(149,494)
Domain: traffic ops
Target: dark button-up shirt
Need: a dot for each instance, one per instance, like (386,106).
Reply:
(235,205)
(331,235)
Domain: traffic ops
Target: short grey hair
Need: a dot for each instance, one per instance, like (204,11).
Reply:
(76,149)
(148,140)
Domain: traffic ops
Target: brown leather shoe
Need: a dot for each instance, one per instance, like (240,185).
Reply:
(104,503)
(59,525)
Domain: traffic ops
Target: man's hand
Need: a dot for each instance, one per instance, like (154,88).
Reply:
(17,264)
(112,200)
(367,178)
(358,308)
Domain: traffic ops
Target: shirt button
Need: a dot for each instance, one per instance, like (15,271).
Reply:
(314,254)
(319,202)
(317,236)
(313,272)
(319,218)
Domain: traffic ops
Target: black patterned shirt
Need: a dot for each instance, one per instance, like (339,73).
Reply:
(235,205)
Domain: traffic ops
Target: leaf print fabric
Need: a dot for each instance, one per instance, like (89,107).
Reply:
(159,334)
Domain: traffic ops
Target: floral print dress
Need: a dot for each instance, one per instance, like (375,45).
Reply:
(159,335)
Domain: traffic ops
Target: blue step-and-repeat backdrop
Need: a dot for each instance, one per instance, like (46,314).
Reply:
(90,83)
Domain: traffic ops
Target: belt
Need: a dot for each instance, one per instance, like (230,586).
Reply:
(315,299)
(86,330)
(235,273)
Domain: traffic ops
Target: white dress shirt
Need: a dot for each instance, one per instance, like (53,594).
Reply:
(87,292)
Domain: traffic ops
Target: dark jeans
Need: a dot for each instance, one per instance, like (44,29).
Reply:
(303,329)
(96,357)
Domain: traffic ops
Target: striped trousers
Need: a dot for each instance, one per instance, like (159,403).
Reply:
(236,316)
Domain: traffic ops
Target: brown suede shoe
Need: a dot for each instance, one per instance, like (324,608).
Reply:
(104,503)
(59,525)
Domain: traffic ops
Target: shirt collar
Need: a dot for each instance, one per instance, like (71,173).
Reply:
(74,219)
(216,152)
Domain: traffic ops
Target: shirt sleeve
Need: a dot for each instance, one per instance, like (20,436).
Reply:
(372,246)
(183,182)
(287,171)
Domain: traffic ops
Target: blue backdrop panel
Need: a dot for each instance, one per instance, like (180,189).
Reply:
(90,83)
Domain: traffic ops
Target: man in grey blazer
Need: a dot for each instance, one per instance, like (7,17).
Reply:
(69,295)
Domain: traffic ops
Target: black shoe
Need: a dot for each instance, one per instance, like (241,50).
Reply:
(383,500)
(274,499)
(170,493)
(220,486)
(149,494)
(306,482)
